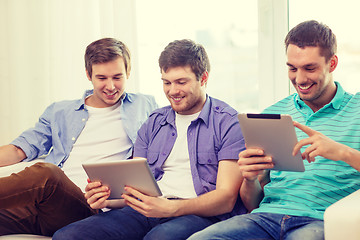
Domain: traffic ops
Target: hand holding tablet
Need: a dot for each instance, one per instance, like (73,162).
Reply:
(275,134)
(134,173)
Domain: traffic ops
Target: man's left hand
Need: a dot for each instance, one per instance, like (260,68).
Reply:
(320,145)
(157,207)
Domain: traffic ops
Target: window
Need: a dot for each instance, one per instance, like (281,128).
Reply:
(227,29)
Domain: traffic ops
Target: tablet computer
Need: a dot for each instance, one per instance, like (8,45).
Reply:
(275,134)
(134,173)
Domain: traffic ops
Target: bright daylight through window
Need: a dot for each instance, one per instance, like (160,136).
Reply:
(228,31)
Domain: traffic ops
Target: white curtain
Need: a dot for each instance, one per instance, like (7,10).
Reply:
(42,45)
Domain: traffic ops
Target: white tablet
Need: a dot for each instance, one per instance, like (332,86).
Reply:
(275,134)
(134,173)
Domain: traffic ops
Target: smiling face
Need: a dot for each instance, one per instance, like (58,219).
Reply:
(185,93)
(108,80)
(311,75)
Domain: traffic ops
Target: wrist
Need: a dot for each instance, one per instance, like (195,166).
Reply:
(250,182)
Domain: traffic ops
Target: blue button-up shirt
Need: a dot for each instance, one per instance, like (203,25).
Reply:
(62,123)
(214,136)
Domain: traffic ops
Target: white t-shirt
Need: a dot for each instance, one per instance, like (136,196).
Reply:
(102,139)
(177,179)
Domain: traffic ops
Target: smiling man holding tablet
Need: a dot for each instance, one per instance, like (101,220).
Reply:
(192,148)
(291,205)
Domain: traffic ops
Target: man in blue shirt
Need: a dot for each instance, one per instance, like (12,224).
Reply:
(102,126)
(192,148)
(291,205)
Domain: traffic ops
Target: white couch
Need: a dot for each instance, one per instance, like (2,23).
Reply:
(342,219)
(24,237)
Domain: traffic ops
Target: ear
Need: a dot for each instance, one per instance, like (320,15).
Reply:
(88,76)
(333,63)
(204,78)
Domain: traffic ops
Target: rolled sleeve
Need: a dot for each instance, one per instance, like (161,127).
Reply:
(36,141)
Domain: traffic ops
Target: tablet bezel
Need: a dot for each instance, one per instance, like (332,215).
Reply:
(134,173)
(275,134)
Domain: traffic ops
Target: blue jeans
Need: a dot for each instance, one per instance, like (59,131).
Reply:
(127,223)
(264,226)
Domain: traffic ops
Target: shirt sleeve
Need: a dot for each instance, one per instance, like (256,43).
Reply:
(153,103)
(142,141)
(36,141)
(232,139)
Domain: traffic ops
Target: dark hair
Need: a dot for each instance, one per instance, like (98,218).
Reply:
(315,34)
(181,53)
(106,50)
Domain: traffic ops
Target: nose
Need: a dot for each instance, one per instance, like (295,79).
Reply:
(300,77)
(110,85)
(173,90)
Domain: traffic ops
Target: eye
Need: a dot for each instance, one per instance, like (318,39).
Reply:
(292,69)
(312,69)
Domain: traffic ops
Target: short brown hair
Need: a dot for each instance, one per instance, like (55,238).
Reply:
(106,50)
(315,34)
(181,53)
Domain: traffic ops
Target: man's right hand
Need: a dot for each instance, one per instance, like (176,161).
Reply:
(97,195)
(253,163)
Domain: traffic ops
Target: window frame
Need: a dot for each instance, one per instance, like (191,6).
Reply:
(273,27)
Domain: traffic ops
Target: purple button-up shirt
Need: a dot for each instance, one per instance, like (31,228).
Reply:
(214,136)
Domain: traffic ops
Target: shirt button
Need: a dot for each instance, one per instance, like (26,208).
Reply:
(173,134)
(163,153)
(73,139)
(217,108)
(83,119)
(209,160)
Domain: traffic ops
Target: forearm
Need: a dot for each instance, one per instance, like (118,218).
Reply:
(251,194)
(10,154)
(352,157)
(209,204)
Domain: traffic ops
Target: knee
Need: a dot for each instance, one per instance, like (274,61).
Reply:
(67,233)
(160,232)
(58,235)
(48,171)
(313,231)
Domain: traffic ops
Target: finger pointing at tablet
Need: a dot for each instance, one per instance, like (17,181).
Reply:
(320,145)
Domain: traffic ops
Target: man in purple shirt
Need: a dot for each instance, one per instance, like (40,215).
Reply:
(191,146)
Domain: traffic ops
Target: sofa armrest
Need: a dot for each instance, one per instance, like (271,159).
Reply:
(8,170)
(342,219)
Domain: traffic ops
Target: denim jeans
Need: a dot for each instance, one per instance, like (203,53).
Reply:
(40,200)
(264,226)
(127,223)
